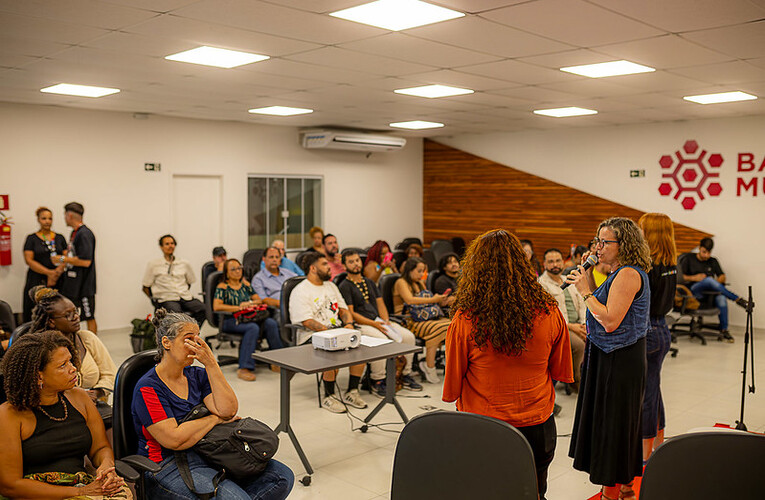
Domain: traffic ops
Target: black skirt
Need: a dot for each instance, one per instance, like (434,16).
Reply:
(606,439)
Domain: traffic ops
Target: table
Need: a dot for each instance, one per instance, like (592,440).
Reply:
(306,359)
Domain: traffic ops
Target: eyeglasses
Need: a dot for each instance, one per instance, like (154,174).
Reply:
(70,315)
(599,242)
(237,268)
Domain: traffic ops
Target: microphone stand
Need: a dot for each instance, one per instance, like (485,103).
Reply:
(748,332)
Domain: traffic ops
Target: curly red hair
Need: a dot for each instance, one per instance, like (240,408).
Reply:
(499,292)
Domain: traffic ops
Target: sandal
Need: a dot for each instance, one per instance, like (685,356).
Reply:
(626,492)
(603,495)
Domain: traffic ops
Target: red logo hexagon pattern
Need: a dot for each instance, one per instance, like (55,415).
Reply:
(689,174)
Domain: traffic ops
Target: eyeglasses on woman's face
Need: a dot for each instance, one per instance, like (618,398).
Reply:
(71,314)
(235,268)
(601,243)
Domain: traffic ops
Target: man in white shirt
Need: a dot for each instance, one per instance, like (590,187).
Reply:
(317,304)
(167,280)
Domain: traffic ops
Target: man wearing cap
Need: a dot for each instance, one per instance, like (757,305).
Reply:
(219,258)
(79,278)
(168,280)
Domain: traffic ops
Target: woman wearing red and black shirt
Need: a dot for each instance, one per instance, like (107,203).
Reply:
(506,343)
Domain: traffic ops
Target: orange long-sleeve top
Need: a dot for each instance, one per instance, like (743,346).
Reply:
(516,389)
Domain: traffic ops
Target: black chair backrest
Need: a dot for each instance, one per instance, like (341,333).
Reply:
(207,268)
(386,289)
(441,248)
(673,471)
(299,259)
(7,321)
(428,465)
(432,276)
(403,244)
(211,283)
(251,262)
(339,278)
(284,305)
(458,243)
(399,256)
(125,437)
(430,259)
(20,330)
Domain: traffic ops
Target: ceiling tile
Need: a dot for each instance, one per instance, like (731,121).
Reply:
(572,21)
(743,41)
(153,5)
(476,6)
(297,69)
(592,88)
(649,100)
(30,46)
(648,82)
(459,79)
(518,72)
(566,58)
(408,48)
(731,72)
(318,6)
(537,94)
(86,12)
(348,59)
(664,52)
(48,30)
(488,37)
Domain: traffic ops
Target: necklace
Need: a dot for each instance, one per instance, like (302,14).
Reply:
(66,411)
(362,286)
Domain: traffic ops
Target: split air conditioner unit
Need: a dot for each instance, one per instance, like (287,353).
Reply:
(350,140)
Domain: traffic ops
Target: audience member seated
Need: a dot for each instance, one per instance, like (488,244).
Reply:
(50,426)
(285,262)
(219,256)
(415,250)
(704,274)
(167,280)
(449,265)
(235,294)
(528,249)
(379,261)
(167,393)
(369,313)
(269,280)
(332,251)
(317,236)
(40,250)
(571,306)
(318,305)
(409,297)
(95,367)
(574,260)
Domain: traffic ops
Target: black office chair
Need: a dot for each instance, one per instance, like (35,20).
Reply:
(124,436)
(399,256)
(441,248)
(430,259)
(431,459)
(251,262)
(299,258)
(458,243)
(7,321)
(215,319)
(207,269)
(695,325)
(20,330)
(432,277)
(404,244)
(706,465)
(339,278)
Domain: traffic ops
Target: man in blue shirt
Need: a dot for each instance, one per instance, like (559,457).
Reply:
(268,281)
(285,262)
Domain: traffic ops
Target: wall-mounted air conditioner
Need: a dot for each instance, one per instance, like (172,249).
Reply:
(349,140)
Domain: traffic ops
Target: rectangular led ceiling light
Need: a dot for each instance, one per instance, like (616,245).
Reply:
(432,91)
(417,125)
(79,90)
(396,15)
(613,68)
(564,112)
(212,56)
(721,97)
(280,111)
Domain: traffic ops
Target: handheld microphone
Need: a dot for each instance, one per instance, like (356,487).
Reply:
(591,261)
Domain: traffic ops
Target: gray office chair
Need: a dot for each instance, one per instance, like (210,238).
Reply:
(441,248)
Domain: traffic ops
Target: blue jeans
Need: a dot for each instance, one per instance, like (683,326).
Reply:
(274,483)
(657,343)
(251,332)
(710,284)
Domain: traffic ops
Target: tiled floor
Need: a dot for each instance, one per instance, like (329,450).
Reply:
(701,386)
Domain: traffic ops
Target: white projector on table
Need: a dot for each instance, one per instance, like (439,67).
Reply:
(336,339)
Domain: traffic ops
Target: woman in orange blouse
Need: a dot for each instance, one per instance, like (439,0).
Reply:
(506,343)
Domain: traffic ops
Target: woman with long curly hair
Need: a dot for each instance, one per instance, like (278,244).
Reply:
(506,344)
(606,438)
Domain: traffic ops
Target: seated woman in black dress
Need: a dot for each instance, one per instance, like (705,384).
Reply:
(49,426)
(39,248)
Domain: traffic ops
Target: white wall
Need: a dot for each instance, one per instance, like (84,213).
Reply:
(598,161)
(50,156)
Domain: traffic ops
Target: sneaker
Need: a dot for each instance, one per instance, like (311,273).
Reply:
(245,374)
(410,384)
(331,403)
(430,374)
(353,398)
(557,409)
(725,335)
(378,388)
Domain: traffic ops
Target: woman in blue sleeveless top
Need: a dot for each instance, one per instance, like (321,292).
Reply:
(606,438)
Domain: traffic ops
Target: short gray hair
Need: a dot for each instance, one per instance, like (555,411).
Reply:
(168,324)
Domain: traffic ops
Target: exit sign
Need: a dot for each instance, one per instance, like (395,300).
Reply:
(152,167)
(637,173)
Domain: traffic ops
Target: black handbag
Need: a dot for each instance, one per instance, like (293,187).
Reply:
(239,449)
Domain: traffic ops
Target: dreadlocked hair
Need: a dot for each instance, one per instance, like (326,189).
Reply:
(499,293)
(25,359)
(45,299)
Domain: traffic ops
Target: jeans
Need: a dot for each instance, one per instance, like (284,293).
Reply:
(657,343)
(710,284)
(274,483)
(251,332)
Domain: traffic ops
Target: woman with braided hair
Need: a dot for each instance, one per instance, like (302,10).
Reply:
(53,311)
(49,426)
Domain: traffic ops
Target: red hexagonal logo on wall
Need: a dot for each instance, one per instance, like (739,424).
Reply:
(689,174)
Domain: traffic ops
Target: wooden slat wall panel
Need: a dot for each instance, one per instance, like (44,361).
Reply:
(465,195)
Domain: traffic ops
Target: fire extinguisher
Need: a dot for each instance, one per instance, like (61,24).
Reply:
(5,240)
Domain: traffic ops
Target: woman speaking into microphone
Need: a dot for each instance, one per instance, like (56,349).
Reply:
(606,438)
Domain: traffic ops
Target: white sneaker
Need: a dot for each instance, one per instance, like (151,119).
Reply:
(353,398)
(431,375)
(333,404)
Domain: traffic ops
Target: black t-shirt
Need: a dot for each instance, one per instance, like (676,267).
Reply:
(443,283)
(43,250)
(81,281)
(663,282)
(692,265)
(353,294)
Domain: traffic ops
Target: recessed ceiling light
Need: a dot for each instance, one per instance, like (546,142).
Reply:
(79,90)
(220,58)
(563,112)
(720,97)
(280,111)
(431,91)
(416,125)
(396,15)
(613,68)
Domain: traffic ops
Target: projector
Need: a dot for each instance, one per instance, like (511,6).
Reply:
(336,339)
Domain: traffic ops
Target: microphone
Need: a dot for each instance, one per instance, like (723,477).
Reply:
(591,261)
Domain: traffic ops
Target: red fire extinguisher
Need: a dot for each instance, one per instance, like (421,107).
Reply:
(5,241)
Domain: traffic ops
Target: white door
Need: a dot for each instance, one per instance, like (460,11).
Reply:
(197,220)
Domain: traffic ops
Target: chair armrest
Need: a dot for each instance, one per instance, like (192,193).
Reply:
(124,470)
(139,463)
(397,318)
(293,328)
